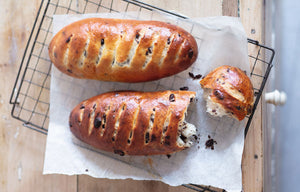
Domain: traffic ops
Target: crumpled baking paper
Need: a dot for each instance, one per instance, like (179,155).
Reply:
(221,41)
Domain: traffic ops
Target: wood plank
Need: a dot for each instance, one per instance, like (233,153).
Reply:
(251,13)
(22,150)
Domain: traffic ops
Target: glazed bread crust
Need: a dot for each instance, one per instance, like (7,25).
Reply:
(133,123)
(232,89)
(122,50)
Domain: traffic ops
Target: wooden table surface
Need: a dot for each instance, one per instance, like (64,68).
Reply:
(22,150)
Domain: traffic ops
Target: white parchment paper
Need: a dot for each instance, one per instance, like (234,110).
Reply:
(221,41)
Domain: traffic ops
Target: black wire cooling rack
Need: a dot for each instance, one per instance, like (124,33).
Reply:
(31,91)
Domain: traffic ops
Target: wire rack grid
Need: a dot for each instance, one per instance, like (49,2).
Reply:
(31,92)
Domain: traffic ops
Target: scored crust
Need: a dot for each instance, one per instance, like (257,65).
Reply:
(228,91)
(135,123)
(122,50)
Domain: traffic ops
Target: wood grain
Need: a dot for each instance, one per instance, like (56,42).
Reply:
(22,150)
(251,13)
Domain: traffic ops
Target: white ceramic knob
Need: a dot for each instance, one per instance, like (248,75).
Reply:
(276,97)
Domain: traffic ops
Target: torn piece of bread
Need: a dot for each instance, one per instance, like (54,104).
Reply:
(228,91)
(135,123)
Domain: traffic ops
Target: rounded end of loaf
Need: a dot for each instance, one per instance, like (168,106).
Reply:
(228,91)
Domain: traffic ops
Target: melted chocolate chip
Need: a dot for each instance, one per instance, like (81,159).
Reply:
(190,53)
(137,35)
(149,50)
(172,97)
(97,122)
(168,155)
(169,41)
(152,118)
(69,70)
(119,152)
(183,138)
(184,88)
(147,137)
(102,41)
(218,94)
(69,38)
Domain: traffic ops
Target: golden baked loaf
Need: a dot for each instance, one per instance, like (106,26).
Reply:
(228,91)
(122,50)
(135,123)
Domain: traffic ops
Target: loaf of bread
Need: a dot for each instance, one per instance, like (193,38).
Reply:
(135,123)
(228,91)
(122,50)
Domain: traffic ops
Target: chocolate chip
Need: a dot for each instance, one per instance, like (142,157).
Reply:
(128,141)
(86,170)
(183,138)
(84,53)
(165,129)
(198,76)
(69,70)
(191,53)
(168,155)
(238,107)
(97,122)
(195,137)
(191,99)
(184,88)
(228,70)
(172,97)
(113,139)
(102,41)
(119,152)
(137,35)
(152,118)
(213,110)
(153,109)
(210,143)
(191,75)
(94,105)
(147,137)
(169,41)
(149,50)
(179,35)
(218,94)
(255,156)
(70,124)
(69,38)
